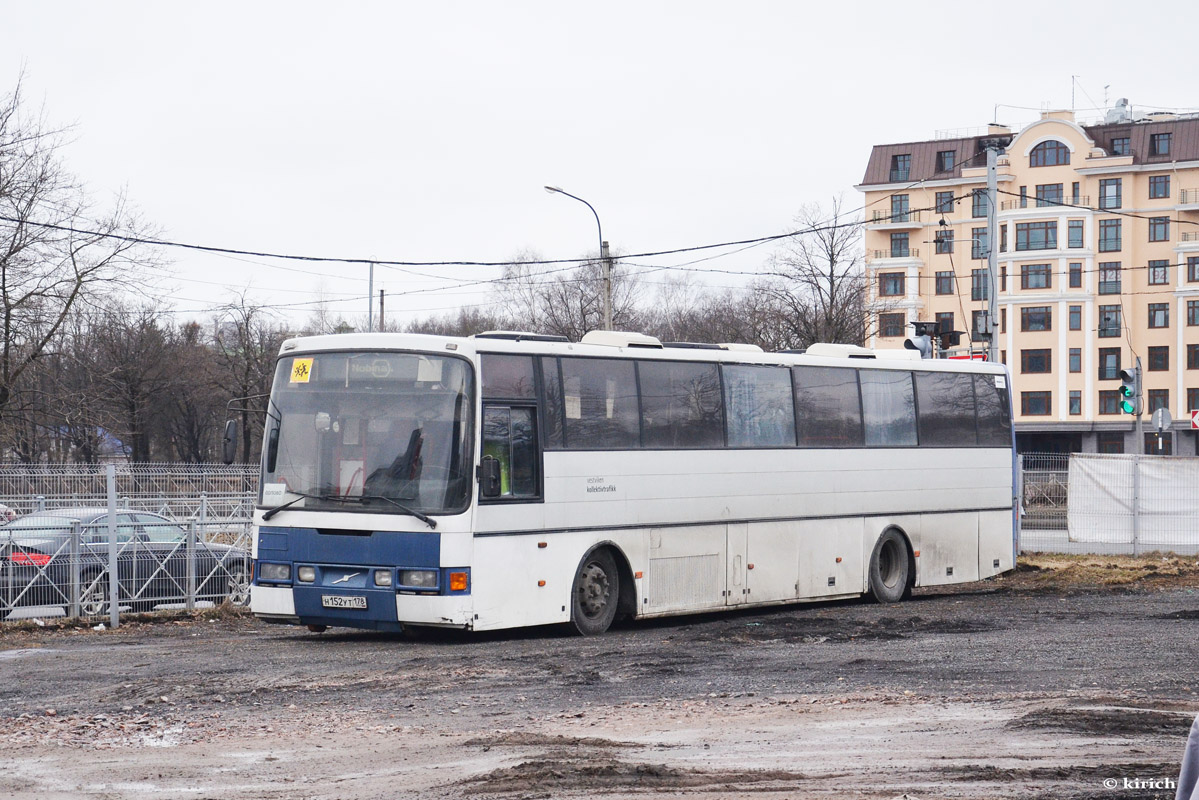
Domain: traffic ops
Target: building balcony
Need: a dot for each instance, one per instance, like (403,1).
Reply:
(896,253)
(1188,200)
(881,218)
(1019,203)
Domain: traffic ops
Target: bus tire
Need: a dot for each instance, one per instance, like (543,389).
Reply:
(595,594)
(890,569)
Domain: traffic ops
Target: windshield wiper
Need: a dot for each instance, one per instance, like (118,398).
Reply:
(273,511)
(363,499)
(425,518)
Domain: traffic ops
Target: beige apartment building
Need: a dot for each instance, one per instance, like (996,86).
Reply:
(1098,262)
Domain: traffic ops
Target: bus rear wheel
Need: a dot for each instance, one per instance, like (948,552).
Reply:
(890,569)
(595,594)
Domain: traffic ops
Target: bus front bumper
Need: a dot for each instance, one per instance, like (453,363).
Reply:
(385,610)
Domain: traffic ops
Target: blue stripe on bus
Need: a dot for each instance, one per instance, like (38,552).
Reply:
(375,548)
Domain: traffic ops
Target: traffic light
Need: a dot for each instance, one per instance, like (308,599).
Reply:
(1130,390)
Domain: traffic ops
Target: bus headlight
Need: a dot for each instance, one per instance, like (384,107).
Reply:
(419,578)
(274,572)
(382,577)
(306,574)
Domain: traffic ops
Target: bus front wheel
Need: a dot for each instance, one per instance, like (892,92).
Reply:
(889,568)
(595,594)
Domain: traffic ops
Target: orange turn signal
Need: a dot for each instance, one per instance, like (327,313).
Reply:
(458,582)
(541,583)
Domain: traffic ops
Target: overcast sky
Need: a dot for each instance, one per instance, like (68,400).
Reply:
(425,131)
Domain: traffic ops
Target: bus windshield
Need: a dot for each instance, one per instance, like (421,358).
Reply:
(346,429)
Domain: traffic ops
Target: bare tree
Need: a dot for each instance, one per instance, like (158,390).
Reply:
(822,283)
(56,251)
(567,303)
(246,342)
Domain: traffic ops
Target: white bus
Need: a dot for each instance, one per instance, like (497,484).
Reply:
(511,479)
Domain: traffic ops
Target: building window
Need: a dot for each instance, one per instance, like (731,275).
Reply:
(945,160)
(1109,321)
(1035,276)
(1157,398)
(899,245)
(1036,404)
(1074,195)
(1159,144)
(1049,154)
(1109,277)
(1049,194)
(899,208)
(1075,401)
(1036,235)
(1110,193)
(901,166)
(1109,363)
(1109,235)
(980,282)
(1159,444)
(978,243)
(944,202)
(1024,197)
(944,321)
(1192,312)
(1003,278)
(1121,146)
(1159,359)
(1159,315)
(1111,442)
(1159,187)
(891,324)
(1074,229)
(1159,229)
(1109,401)
(1036,360)
(891,284)
(1076,359)
(978,207)
(1193,356)
(1192,269)
(1036,318)
(944,240)
(1076,318)
(944,283)
(1192,399)
(1003,238)
(1159,272)
(1075,275)
(1003,320)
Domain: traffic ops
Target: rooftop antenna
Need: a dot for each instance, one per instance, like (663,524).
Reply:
(1073,82)
(1106,86)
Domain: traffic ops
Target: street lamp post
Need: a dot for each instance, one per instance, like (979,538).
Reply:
(605,259)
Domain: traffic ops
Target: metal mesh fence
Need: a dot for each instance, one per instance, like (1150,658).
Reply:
(180,538)
(1089,503)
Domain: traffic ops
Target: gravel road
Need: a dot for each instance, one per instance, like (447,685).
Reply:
(1000,689)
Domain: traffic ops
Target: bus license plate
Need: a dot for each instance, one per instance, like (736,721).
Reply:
(343,601)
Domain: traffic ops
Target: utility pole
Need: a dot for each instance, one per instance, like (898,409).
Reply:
(1140,409)
(382,324)
(606,262)
(993,144)
(370,295)
(992,251)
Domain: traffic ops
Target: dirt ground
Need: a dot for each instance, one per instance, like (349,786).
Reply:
(1065,678)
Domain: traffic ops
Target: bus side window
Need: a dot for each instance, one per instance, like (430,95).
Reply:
(510,437)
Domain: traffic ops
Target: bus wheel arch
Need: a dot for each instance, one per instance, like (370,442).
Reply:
(602,588)
(892,568)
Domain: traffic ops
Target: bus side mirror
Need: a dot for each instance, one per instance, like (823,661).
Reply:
(489,476)
(229,443)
